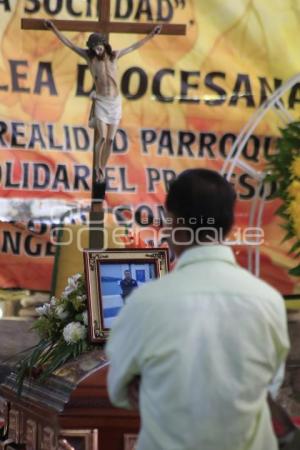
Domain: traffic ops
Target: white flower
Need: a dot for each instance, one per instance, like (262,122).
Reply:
(72,284)
(77,276)
(43,310)
(74,279)
(61,312)
(40,310)
(74,332)
(85,317)
(69,289)
(53,301)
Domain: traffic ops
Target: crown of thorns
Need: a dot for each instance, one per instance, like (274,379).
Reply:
(96,39)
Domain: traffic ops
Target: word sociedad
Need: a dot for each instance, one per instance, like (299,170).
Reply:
(159,10)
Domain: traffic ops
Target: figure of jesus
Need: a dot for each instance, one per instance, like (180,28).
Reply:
(107,107)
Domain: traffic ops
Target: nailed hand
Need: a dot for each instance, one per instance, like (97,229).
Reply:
(48,24)
(157,29)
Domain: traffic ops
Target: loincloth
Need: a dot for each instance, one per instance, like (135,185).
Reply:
(106,109)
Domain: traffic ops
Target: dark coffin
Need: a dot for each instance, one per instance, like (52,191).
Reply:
(71,408)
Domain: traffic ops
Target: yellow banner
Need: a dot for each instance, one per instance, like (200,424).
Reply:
(185,100)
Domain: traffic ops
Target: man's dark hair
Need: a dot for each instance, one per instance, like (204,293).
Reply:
(202,198)
(99,39)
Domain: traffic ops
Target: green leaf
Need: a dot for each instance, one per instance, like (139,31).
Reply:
(295,247)
(295,271)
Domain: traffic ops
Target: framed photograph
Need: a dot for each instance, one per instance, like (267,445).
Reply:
(111,276)
(130,441)
(85,439)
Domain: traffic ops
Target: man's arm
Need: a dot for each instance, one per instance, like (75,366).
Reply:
(125,51)
(80,51)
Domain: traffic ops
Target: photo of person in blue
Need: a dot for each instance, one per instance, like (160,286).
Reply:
(117,281)
(127,284)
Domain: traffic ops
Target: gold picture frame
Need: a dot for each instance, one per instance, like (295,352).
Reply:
(111,275)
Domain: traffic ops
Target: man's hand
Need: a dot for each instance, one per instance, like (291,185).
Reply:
(48,24)
(156,30)
(134,392)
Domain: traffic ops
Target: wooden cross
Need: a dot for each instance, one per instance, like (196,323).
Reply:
(105,26)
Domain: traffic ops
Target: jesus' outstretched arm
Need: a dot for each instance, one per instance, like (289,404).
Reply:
(80,51)
(131,48)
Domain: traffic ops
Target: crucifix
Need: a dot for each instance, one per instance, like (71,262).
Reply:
(108,104)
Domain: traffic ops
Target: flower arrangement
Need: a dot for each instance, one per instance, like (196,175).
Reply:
(284,170)
(62,328)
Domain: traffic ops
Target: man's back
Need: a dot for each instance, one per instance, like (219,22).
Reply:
(207,339)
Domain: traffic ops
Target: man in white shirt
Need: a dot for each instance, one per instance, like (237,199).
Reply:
(206,340)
